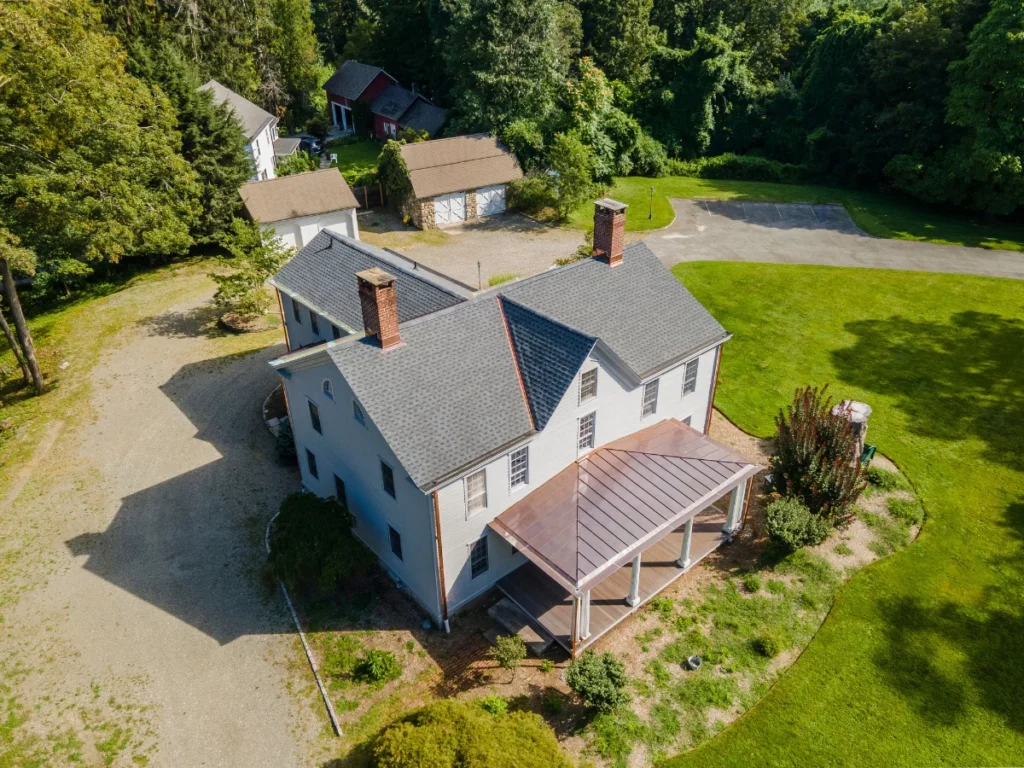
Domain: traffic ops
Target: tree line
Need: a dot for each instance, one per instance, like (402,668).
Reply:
(109,152)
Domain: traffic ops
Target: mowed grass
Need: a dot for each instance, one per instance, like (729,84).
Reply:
(921,661)
(356,159)
(876,214)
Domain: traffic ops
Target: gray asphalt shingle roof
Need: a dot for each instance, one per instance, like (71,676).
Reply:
(444,397)
(351,79)
(422,116)
(549,355)
(393,101)
(252,117)
(449,395)
(638,309)
(323,273)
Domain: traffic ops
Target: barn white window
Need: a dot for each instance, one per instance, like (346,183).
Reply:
(690,377)
(519,467)
(588,385)
(650,399)
(476,491)
(586,431)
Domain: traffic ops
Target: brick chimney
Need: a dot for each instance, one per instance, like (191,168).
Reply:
(379,305)
(609,230)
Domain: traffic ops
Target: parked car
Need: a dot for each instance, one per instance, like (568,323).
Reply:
(310,144)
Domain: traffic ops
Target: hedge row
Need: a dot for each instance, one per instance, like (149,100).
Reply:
(740,168)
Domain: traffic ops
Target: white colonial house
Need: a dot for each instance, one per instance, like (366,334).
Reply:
(259,126)
(545,438)
(299,206)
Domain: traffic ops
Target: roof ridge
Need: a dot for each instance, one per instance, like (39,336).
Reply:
(544,316)
(566,267)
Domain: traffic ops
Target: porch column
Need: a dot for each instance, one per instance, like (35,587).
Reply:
(684,555)
(585,624)
(732,522)
(634,585)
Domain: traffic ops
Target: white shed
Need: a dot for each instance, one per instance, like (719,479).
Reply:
(297,207)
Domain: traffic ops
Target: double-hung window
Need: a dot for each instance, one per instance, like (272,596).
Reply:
(585,433)
(519,467)
(311,464)
(314,416)
(395,539)
(476,491)
(335,331)
(650,399)
(314,322)
(588,385)
(387,479)
(478,560)
(297,311)
(690,377)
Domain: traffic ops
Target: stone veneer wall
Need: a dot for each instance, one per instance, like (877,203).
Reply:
(470,205)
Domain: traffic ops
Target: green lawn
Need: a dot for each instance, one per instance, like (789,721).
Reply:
(356,159)
(874,213)
(921,661)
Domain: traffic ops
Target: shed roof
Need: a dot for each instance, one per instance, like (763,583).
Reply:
(596,514)
(323,274)
(393,101)
(301,194)
(458,164)
(253,118)
(351,79)
(422,116)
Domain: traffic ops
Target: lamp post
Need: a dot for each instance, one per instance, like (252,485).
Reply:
(650,212)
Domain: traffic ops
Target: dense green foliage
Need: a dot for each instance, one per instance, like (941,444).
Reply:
(393,173)
(599,681)
(462,734)
(257,256)
(312,547)
(377,667)
(791,524)
(508,652)
(917,662)
(815,457)
(299,162)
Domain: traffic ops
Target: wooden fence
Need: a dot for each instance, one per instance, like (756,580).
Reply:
(370,196)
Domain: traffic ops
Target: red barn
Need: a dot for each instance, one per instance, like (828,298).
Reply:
(354,83)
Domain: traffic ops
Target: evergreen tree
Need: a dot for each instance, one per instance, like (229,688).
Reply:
(212,140)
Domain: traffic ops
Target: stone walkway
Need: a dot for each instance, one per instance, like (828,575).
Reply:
(809,234)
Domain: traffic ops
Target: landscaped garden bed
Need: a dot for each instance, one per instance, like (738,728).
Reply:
(747,611)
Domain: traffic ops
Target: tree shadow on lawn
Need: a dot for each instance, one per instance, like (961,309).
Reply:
(987,638)
(952,380)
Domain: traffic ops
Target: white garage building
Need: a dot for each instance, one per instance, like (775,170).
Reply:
(297,207)
(458,179)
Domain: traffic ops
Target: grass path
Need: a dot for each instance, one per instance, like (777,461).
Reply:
(921,661)
(876,214)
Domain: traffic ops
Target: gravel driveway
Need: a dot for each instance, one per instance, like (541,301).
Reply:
(796,233)
(505,244)
(150,538)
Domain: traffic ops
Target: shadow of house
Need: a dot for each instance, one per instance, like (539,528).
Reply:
(192,544)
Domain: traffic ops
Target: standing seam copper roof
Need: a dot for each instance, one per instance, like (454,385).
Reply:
(596,514)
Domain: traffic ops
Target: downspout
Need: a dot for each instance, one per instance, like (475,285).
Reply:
(714,390)
(442,590)
(284,325)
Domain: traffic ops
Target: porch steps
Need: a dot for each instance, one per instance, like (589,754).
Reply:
(512,618)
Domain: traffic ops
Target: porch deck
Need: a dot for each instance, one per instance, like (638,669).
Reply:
(551,605)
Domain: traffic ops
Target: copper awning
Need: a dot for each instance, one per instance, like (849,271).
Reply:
(598,513)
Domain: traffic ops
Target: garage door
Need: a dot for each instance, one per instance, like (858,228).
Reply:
(490,200)
(449,209)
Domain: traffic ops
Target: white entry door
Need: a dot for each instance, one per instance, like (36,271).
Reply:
(490,200)
(449,209)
